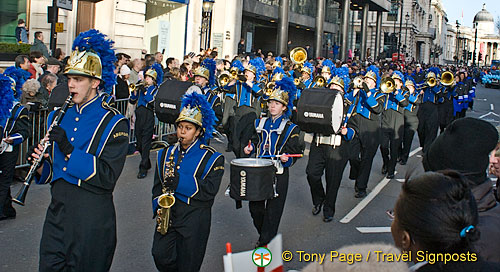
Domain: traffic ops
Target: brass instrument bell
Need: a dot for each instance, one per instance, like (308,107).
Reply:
(224,78)
(165,201)
(133,87)
(431,82)
(320,81)
(358,82)
(387,85)
(447,78)
(298,55)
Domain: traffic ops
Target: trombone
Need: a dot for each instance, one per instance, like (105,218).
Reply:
(387,85)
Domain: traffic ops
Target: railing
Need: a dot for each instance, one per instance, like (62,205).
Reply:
(38,120)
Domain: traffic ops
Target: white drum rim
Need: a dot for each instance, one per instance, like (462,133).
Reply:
(338,105)
(251,162)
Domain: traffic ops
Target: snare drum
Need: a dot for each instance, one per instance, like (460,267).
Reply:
(252,179)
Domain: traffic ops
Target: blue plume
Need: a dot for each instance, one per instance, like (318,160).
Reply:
(19,76)
(376,71)
(279,70)
(343,73)
(208,115)
(400,75)
(238,64)
(328,63)
(278,58)
(211,66)
(412,80)
(6,97)
(435,70)
(286,84)
(97,42)
(259,64)
(159,73)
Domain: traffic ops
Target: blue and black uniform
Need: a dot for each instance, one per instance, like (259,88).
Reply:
(273,137)
(79,233)
(198,174)
(428,119)
(144,124)
(410,124)
(16,127)
(445,107)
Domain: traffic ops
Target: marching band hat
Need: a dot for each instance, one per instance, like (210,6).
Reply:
(398,75)
(326,69)
(155,72)
(252,69)
(305,70)
(284,92)
(197,110)
(202,72)
(337,81)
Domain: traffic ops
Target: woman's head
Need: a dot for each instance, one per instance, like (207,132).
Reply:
(31,86)
(434,212)
(49,82)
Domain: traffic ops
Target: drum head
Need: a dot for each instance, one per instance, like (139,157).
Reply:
(337,112)
(251,162)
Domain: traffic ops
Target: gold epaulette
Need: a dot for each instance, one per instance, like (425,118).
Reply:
(202,146)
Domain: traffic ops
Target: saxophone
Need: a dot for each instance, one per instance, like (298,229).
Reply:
(167,199)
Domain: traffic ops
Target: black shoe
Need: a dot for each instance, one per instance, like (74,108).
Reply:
(228,149)
(7,217)
(402,162)
(360,194)
(327,218)
(316,209)
(390,176)
(142,175)
(384,170)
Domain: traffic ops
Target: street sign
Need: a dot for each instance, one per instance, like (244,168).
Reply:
(65,4)
(59,27)
(217,41)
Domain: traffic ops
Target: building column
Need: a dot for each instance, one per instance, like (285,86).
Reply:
(345,26)
(283,27)
(320,18)
(378,35)
(364,30)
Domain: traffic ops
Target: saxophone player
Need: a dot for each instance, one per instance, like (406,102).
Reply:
(191,172)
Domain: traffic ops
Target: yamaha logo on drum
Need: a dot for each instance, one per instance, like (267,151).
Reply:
(168,106)
(243,183)
(314,115)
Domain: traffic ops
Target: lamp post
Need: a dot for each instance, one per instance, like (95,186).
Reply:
(458,48)
(407,18)
(206,23)
(394,41)
(400,27)
(475,41)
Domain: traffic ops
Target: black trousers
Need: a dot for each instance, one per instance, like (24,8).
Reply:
(144,128)
(79,233)
(183,247)
(410,127)
(392,133)
(7,165)
(428,124)
(445,113)
(331,161)
(243,128)
(366,145)
(266,214)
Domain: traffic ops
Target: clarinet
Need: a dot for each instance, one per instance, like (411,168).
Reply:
(21,195)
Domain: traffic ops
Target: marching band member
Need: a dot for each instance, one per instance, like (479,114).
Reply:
(393,125)
(445,105)
(145,118)
(306,72)
(428,122)
(245,112)
(327,155)
(410,119)
(202,78)
(86,158)
(370,103)
(459,100)
(274,136)
(14,129)
(189,172)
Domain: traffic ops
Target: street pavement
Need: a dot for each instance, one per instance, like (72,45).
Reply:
(301,230)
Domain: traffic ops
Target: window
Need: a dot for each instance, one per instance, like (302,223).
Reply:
(11,11)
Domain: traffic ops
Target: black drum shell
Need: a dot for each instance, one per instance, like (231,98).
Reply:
(314,111)
(258,182)
(168,100)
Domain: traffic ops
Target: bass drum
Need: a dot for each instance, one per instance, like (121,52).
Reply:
(168,99)
(320,111)
(252,179)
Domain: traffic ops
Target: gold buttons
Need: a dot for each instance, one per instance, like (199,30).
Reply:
(72,139)
(66,158)
(77,119)
(75,129)
(64,169)
(178,167)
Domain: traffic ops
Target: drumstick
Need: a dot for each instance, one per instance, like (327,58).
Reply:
(249,143)
(284,155)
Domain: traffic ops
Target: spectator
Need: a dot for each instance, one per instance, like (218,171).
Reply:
(121,90)
(59,55)
(28,97)
(183,73)
(39,46)
(37,60)
(495,165)
(170,63)
(134,72)
(175,72)
(21,32)
(121,59)
(23,62)
(159,59)
(49,82)
(464,146)
(436,213)
(53,66)
(241,47)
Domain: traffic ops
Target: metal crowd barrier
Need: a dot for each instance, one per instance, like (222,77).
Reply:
(38,120)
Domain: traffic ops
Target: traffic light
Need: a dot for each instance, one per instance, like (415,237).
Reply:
(480,56)
(470,55)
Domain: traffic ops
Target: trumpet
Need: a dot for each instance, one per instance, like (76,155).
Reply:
(447,78)
(270,87)
(358,82)
(224,78)
(319,81)
(297,81)
(133,87)
(387,85)
(21,195)
(431,82)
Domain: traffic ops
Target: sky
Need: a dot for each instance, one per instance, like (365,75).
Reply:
(454,9)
